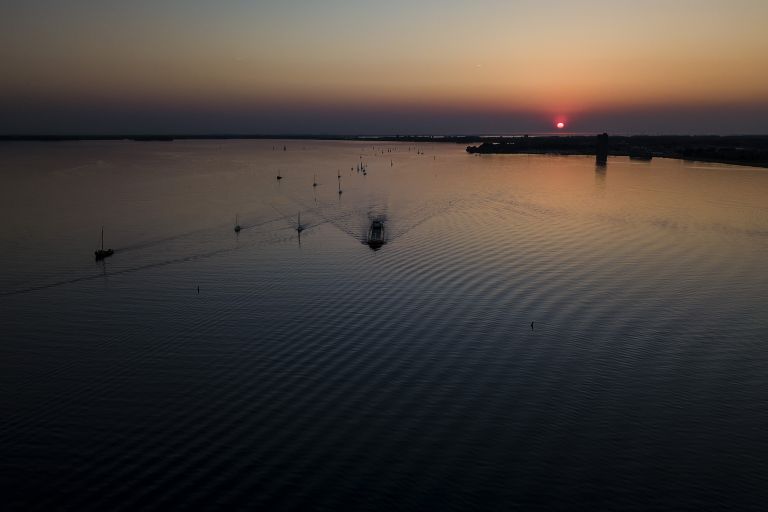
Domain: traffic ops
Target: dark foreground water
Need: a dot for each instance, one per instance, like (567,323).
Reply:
(317,374)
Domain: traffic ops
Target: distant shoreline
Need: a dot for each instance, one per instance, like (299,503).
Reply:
(751,150)
(158,137)
(733,150)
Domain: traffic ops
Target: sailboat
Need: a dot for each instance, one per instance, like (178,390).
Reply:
(299,227)
(237,225)
(339,185)
(314,181)
(102,253)
(278,175)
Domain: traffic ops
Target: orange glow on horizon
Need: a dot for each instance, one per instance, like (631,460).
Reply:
(262,56)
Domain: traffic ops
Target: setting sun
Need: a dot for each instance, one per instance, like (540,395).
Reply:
(560,125)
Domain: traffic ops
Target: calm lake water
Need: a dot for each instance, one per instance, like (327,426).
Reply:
(318,374)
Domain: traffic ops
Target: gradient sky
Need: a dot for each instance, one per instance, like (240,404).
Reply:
(448,66)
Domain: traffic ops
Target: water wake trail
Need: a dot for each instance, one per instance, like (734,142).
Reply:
(172,261)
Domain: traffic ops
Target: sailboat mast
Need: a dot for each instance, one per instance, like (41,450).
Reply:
(102,238)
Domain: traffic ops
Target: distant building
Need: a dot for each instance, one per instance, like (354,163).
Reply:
(601,151)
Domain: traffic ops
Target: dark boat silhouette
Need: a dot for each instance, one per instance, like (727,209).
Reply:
(103,253)
(237,224)
(376,234)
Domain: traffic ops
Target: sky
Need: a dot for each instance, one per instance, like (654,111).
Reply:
(383,68)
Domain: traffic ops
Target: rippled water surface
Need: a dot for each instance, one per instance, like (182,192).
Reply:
(314,373)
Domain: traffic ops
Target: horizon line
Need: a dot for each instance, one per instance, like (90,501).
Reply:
(149,136)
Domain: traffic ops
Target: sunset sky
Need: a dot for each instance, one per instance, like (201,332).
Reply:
(675,66)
